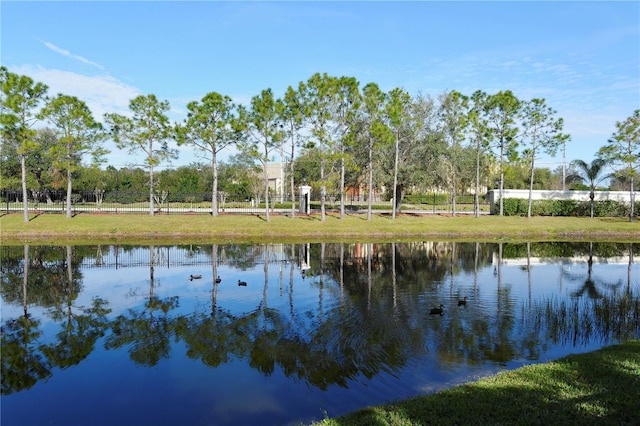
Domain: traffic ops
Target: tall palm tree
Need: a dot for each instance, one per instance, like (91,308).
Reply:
(589,173)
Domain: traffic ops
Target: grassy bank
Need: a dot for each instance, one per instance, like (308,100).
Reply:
(601,387)
(49,228)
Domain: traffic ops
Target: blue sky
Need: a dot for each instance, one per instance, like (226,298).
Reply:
(582,57)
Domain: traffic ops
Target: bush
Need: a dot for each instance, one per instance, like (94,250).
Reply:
(426,199)
(554,208)
(609,208)
(515,206)
(125,197)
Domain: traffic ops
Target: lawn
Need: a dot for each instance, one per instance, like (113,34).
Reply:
(106,228)
(596,388)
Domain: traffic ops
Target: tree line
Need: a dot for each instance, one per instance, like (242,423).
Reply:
(343,135)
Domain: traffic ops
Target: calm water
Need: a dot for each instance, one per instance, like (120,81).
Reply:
(117,335)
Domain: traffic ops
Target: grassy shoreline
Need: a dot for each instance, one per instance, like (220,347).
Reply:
(600,387)
(113,229)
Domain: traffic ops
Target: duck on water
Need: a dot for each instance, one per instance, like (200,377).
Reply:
(437,311)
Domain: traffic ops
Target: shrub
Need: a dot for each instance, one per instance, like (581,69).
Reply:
(515,207)
(554,208)
(609,208)
(426,199)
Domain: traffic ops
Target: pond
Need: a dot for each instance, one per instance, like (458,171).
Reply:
(291,333)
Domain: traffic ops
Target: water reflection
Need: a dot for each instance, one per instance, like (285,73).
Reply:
(327,327)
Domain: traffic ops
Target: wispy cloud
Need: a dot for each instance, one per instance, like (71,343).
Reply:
(68,54)
(102,93)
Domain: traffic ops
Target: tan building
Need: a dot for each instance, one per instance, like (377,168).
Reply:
(276,173)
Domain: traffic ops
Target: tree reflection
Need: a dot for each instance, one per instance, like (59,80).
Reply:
(588,286)
(370,316)
(147,333)
(22,363)
(79,334)
(212,339)
(79,331)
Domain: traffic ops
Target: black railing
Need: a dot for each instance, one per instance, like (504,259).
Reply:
(122,202)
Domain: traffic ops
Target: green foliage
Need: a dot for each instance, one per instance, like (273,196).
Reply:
(210,126)
(554,208)
(514,207)
(623,149)
(608,208)
(79,135)
(10,182)
(517,176)
(406,142)
(426,198)
(20,97)
(125,197)
(307,166)
(148,131)
(599,387)
(578,187)
(263,125)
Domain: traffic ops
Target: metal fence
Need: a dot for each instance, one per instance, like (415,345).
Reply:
(122,202)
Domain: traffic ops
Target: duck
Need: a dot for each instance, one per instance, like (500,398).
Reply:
(194,277)
(218,279)
(242,283)
(462,302)
(437,311)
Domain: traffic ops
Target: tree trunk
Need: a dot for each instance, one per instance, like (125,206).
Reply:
(342,179)
(214,189)
(342,170)
(395,177)
(632,200)
(476,200)
(323,189)
(453,189)
(531,183)
(266,182)
(397,201)
(293,189)
(25,203)
(501,178)
(370,200)
(68,192)
(282,167)
(151,206)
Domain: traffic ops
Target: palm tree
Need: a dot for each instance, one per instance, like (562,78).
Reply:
(589,173)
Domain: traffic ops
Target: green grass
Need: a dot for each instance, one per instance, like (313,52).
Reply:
(140,228)
(600,387)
